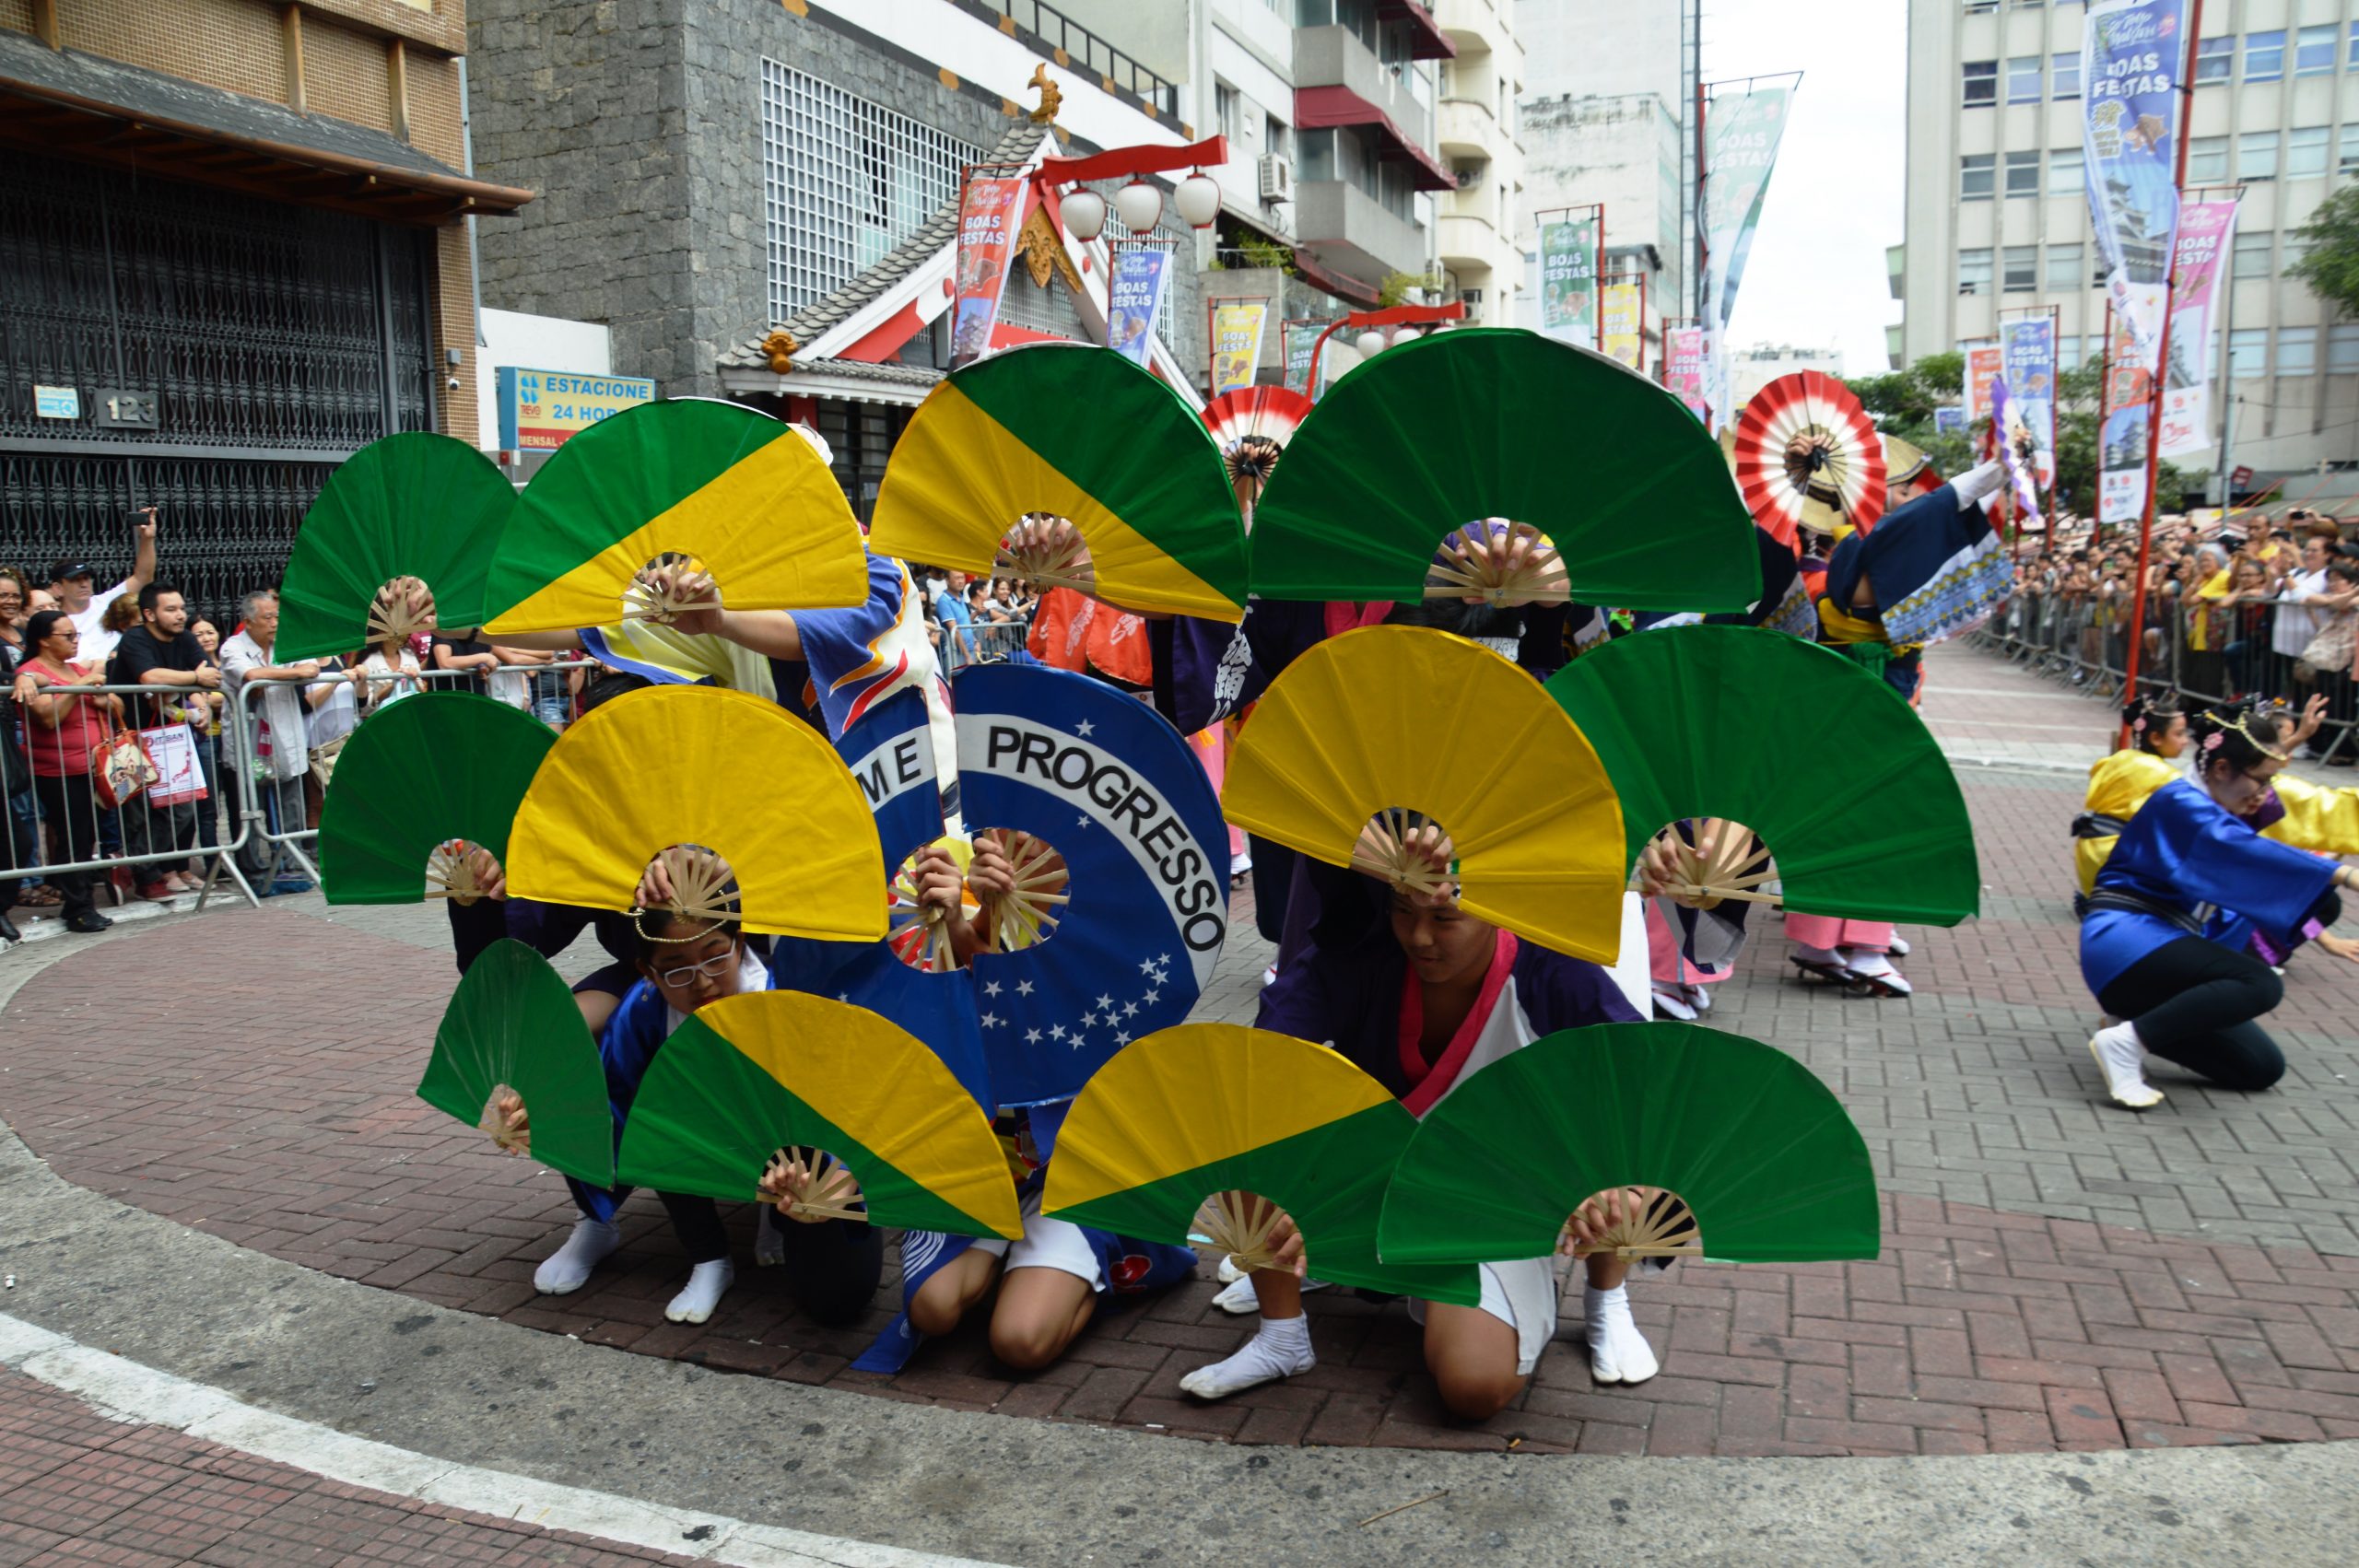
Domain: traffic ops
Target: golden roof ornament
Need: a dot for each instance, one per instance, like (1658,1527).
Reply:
(1051,98)
(780,346)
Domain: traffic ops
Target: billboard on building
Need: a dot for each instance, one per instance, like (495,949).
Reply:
(540,410)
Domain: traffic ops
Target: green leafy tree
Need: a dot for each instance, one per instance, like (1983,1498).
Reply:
(1904,404)
(2331,264)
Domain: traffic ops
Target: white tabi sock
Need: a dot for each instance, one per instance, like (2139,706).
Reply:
(1617,1351)
(706,1281)
(1279,1349)
(2123,1061)
(568,1269)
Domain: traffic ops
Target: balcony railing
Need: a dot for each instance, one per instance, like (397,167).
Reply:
(1090,51)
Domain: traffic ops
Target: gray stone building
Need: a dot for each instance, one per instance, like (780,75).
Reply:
(715,170)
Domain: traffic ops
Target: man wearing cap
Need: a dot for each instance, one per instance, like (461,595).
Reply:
(71,583)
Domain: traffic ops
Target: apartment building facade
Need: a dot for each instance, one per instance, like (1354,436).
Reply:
(1998,215)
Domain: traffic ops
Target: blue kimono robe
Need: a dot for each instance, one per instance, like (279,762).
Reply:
(2184,854)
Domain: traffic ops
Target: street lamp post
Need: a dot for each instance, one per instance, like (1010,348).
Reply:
(1391,316)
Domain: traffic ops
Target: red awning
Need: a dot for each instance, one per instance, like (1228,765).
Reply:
(1342,285)
(1426,41)
(1316,109)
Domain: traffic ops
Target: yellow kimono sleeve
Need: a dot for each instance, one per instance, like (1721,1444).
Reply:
(2317,817)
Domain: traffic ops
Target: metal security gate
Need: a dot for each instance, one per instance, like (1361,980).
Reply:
(225,354)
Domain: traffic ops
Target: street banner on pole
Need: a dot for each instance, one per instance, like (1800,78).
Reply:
(1682,350)
(2125,424)
(1983,364)
(1300,338)
(1950,419)
(1741,133)
(1237,344)
(2133,53)
(988,217)
(1137,296)
(2205,232)
(2015,450)
(2030,346)
(1568,262)
(1623,337)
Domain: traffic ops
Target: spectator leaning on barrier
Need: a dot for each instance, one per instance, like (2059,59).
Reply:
(15,776)
(205,723)
(462,649)
(281,759)
(72,582)
(61,726)
(163,653)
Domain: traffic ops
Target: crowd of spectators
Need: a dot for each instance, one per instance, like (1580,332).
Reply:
(971,619)
(59,635)
(2252,607)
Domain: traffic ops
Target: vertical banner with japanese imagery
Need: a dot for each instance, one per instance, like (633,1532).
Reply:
(1237,344)
(2125,425)
(1568,264)
(2133,54)
(2206,232)
(988,215)
(1137,296)
(1623,332)
(2030,347)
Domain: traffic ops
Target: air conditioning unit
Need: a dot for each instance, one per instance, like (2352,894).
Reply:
(1472,300)
(1469,173)
(1277,177)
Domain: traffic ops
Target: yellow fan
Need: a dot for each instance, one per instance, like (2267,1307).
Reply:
(696,483)
(1388,720)
(696,766)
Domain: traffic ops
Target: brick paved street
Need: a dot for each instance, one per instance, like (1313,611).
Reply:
(2056,1274)
(75,1487)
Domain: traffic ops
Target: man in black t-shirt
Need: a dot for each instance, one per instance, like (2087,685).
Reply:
(163,653)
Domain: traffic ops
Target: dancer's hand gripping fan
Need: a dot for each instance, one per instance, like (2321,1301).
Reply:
(695,489)
(1100,778)
(1386,721)
(1806,452)
(756,1082)
(1165,1134)
(1076,432)
(424,781)
(512,1029)
(399,541)
(1769,1168)
(696,765)
(1840,781)
(1632,496)
(890,754)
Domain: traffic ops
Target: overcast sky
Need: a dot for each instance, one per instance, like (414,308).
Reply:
(1816,273)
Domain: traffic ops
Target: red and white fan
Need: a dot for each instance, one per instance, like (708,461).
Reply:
(1252,425)
(1807,455)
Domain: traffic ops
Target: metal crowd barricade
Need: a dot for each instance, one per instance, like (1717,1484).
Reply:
(2069,639)
(37,843)
(298,840)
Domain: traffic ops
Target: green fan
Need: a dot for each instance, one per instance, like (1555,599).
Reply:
(1462,426)
(1080,433)
(689,482)
(1838,776)
(409,505)
(768,1072)
(1166,1135)
(513,1023)
(424,771)
(1768,1165)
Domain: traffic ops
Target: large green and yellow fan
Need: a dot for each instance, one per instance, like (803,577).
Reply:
(1377,724)
(1078,432)
(674,765)
(1636,499)
(1164,1136)
(751,1077)
(1839,777)
(514,1025)
(688,485)
(426,772)
(1768,1165)
(400,539)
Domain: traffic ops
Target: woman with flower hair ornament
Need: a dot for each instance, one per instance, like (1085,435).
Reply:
(2164,946)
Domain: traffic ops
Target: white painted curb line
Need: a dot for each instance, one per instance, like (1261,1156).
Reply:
(129,1392)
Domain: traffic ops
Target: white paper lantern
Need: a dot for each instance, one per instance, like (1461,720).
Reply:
(1084,211)
(1370,343)
(1197,200)
(1138,205)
